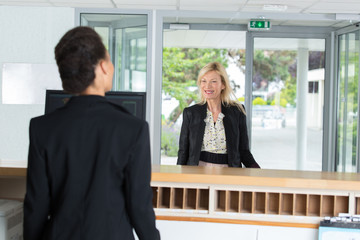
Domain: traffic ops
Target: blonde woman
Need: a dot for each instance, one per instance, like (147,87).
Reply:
(214,132)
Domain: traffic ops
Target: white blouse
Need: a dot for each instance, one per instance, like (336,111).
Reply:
(214,140)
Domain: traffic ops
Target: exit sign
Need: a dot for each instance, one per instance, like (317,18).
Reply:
(259,25)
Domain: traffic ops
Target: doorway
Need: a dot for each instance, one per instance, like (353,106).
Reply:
(287,85)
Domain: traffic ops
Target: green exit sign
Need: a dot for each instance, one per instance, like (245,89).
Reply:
(259,25)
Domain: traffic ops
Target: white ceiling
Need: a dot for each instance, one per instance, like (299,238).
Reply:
(297,12)
(292,6)
(303,6)
(322,13)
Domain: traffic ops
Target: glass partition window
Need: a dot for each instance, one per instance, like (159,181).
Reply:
(185,52)
(347,126)
(125,37)
(287,103)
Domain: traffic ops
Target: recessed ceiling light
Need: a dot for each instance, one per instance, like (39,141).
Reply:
(274,7)
(345,16)
(179,26)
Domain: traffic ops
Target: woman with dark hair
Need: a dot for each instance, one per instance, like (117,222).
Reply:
(89,162)
(214,132)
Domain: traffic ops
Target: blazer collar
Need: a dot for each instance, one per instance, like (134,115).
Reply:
(224,110)
(86,100)
(203,111)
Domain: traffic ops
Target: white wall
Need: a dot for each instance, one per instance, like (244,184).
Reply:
(28,35)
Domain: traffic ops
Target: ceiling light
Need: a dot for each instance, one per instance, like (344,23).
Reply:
(179,26)
(345,16)
(274,7)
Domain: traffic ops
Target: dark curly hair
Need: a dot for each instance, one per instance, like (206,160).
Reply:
(77,54)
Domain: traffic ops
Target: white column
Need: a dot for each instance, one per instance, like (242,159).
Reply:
(301,96)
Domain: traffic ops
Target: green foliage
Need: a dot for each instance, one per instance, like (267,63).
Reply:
(169,140)
(169,145)
(259,101)
(269,66)
(289,91)
(354,142)
(283,102)
(272,66)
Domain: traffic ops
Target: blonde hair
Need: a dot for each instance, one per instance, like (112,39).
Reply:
(227,95)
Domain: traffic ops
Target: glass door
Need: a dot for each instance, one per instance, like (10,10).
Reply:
(287,103)
(125,36)
(130,55)
(347,154)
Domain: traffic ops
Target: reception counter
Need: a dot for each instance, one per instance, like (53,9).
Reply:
(253,196)
(241,196)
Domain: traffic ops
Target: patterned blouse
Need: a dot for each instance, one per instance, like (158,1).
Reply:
(214,140)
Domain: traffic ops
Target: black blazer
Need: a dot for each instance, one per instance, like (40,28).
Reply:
(192,133)
(89,174)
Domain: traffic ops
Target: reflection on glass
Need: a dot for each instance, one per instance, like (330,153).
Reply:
(125,37)
(104,33)
(348,103)
(276,98)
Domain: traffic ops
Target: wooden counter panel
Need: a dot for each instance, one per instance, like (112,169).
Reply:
(257,177)
(259,196)
(18,172)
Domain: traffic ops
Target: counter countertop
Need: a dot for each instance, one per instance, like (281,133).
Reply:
(241,176)
(257,177)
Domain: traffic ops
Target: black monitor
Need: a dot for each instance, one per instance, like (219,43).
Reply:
(134,102)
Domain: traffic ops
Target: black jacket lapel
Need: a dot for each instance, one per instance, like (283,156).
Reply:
(200,132)
(228,129)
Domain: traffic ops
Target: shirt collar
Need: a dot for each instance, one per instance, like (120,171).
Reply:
(209,116)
